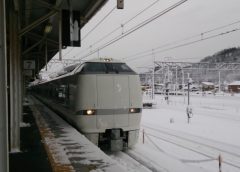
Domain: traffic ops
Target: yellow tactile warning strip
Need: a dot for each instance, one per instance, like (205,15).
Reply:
(49,144)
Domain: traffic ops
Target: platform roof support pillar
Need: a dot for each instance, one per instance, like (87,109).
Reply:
(15,81)
(60,34)
(4,160)
(46,54)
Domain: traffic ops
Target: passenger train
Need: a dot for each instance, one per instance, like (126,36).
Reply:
(102,98)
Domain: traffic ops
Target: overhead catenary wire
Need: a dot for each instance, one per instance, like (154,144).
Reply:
(181,40)
(188,43)
(221,27)
(128,21)
(203,33)
(68,51)
(88,33)
(99,23)
(135,28)
(119,27)
(142,11)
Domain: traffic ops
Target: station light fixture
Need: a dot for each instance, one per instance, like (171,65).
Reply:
(48,28)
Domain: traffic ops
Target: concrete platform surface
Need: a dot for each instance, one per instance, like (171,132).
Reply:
(32,157)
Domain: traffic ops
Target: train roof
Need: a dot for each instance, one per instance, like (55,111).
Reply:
(70,70)
(105,60)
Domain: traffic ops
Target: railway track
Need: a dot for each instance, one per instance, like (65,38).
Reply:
(134,163)
(202,112)
(143,159)
(197,145)
(131,163)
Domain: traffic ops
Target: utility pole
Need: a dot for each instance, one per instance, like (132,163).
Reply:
(182,78)
(168,80)
(176,81)
(153,77)
(219,81)
(189,82)
(153,81)
(167,86)
(189,109)
(183,85)
(188,102)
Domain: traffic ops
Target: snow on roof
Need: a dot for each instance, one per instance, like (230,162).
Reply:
(159,84)
(207,83)
(235,83)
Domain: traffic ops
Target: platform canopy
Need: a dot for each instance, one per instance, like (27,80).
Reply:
(40,24)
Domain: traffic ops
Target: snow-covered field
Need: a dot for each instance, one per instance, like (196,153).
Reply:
(172,144)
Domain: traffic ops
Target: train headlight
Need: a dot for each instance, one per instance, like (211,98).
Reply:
(134,110)
(89,112)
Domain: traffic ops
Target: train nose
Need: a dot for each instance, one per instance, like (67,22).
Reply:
(113,101)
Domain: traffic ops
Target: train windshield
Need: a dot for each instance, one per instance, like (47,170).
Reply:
(97,68)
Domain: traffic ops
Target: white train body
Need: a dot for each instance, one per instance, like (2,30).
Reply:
(102,99)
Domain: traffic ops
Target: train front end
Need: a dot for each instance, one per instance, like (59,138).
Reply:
(109,104)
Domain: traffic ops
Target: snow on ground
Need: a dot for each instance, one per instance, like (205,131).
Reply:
(68,147)
(173,144)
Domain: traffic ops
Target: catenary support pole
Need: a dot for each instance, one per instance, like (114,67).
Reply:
(153,82)
(176,87)
(188,86)
(219,81)
(4,160)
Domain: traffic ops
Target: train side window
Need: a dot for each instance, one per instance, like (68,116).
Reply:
(62,93)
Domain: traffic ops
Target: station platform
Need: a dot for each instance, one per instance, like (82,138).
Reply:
(49,144)
(32,156)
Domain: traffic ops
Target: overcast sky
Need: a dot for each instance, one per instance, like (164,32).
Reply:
(191,18)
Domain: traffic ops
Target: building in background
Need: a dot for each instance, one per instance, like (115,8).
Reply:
(207,86)
(234,87)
